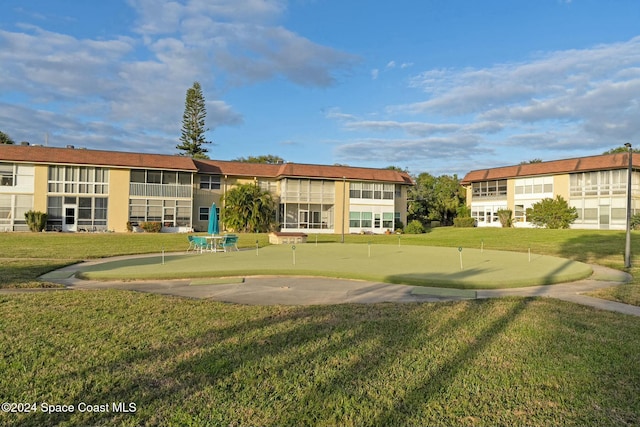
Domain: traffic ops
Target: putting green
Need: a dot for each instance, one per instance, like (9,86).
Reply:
(411,265)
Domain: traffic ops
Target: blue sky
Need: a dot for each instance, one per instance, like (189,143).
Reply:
(429,85)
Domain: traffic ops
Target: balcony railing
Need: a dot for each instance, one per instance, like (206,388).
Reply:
(161,190)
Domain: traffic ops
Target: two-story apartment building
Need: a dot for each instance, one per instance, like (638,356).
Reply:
(596,186)
(104,190)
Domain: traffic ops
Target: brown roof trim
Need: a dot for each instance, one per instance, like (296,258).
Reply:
(299,170)
(73,156)
(554,167)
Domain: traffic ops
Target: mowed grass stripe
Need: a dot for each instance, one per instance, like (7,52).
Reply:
(413,265)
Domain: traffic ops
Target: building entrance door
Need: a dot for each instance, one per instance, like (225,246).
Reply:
(303,218)
(69,220)
(169,217)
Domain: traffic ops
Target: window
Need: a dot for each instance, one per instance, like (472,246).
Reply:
(154,210)
(183,215)
(388,191)
(78,179)
(24,203)
(266,185)
(177,212)
(203,213)
(367,190)
(519,213)
(355,190)
(366,219)
(84,209)
(7,175)
(354,219)
(377,191)
(210,182)
(138,175)
(387,220)
(591,214)
(170,178)
(618,213)
(154,177)
(100,211)
(538,185)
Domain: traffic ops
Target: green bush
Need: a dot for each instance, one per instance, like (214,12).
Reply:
(36,220)
(635,222)
(465,222)
(414,227)
(463,211)
(552,213)
(151,226)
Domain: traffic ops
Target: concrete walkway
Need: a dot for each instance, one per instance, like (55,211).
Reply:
(287,290)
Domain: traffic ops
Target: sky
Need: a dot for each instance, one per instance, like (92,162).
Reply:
(437,86)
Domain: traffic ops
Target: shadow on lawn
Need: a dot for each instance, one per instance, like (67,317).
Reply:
(450,280)
(360,364)
(595,246)
(464,279)
(15,273)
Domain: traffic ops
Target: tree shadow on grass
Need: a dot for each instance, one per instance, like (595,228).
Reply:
(594,247)
(289,366)
(15,273)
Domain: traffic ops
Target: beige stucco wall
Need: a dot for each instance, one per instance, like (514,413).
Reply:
(40,187)
(511,192)
(561,186)
(469,195)
(118,210)
(341,207)
(202,199)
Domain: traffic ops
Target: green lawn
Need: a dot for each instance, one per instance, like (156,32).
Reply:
(536,362)
(512,361)
(402,264)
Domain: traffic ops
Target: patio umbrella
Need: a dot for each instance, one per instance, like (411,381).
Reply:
(213,220)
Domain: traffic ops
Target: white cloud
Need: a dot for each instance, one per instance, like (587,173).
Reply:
(567,101)
(418,154)
(242,40)
(138,82)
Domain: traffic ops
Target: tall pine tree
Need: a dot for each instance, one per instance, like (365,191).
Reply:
(195,111)
(5,139)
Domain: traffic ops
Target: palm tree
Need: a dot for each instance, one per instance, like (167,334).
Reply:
(247,208)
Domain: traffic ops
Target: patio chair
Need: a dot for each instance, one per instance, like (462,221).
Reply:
(202,244)
(229,241)
(192,244)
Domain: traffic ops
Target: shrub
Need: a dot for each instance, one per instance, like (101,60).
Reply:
(463,211)
(151,226)
(464,222)
(36,220)
(552,213)
(504,215)
(635,222)
(414,227)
